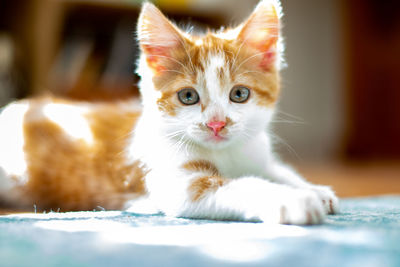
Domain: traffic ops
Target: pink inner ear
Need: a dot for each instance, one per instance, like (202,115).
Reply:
(269,56)
(267,45)
(155,54)
(267,48)
(261,32)
(267,61)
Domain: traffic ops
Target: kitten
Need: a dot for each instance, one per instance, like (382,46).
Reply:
(199,148)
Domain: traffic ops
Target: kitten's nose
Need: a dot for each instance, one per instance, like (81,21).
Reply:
(216,126)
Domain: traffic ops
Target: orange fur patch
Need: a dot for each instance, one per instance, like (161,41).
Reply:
(69,174)
(201,166)
(264,85)
(202,185)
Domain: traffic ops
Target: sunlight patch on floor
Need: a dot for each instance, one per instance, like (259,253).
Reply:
(237,242)
(180,235)
(65,215)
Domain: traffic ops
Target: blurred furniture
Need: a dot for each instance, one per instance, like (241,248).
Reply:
(373,56)
(84,49)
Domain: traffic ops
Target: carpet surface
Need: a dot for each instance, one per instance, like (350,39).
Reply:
(365,233)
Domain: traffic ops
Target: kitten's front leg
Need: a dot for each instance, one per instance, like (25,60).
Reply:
(252,199)
(281,173)
(210,196)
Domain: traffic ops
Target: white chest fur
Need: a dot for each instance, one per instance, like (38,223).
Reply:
(246,159)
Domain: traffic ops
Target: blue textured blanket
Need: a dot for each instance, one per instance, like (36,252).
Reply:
(365,233)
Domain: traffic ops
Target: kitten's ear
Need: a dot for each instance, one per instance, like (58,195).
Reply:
(261,31)
(158,37)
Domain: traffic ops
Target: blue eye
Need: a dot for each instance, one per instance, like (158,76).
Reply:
(239,94)
(188,96)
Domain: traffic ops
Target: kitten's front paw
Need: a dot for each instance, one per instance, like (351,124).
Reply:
(328,198)
(301,207)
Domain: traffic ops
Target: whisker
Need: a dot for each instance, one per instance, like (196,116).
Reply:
(189,146)
(180,143)
(226,52)
(247,59)
(237,53)
(180,72)
(171,136)
(290,115)
(187,53)
(288,121)
(250,71)
(288,147)
(173,59)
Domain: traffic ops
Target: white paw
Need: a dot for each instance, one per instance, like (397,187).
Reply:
(301,207)
(258,199)
(254,199)
(327,197)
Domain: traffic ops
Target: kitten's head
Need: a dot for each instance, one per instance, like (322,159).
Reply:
(213,89)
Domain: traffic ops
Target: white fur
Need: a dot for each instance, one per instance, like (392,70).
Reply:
(246,198)
(254,199)
(152,17)
(12,159)
(71,119)
(260,188)
(13,166)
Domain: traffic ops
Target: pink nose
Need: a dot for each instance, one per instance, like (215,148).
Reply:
(216,126)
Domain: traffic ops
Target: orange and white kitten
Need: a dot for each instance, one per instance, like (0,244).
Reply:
(199,148)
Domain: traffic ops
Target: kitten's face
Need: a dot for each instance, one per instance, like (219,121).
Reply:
(215,89)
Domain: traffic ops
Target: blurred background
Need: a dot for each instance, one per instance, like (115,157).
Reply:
(339,118)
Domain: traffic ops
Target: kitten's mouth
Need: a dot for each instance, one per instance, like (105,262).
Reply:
(217,138)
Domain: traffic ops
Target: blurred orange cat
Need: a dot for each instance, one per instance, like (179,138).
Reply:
(74,156)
